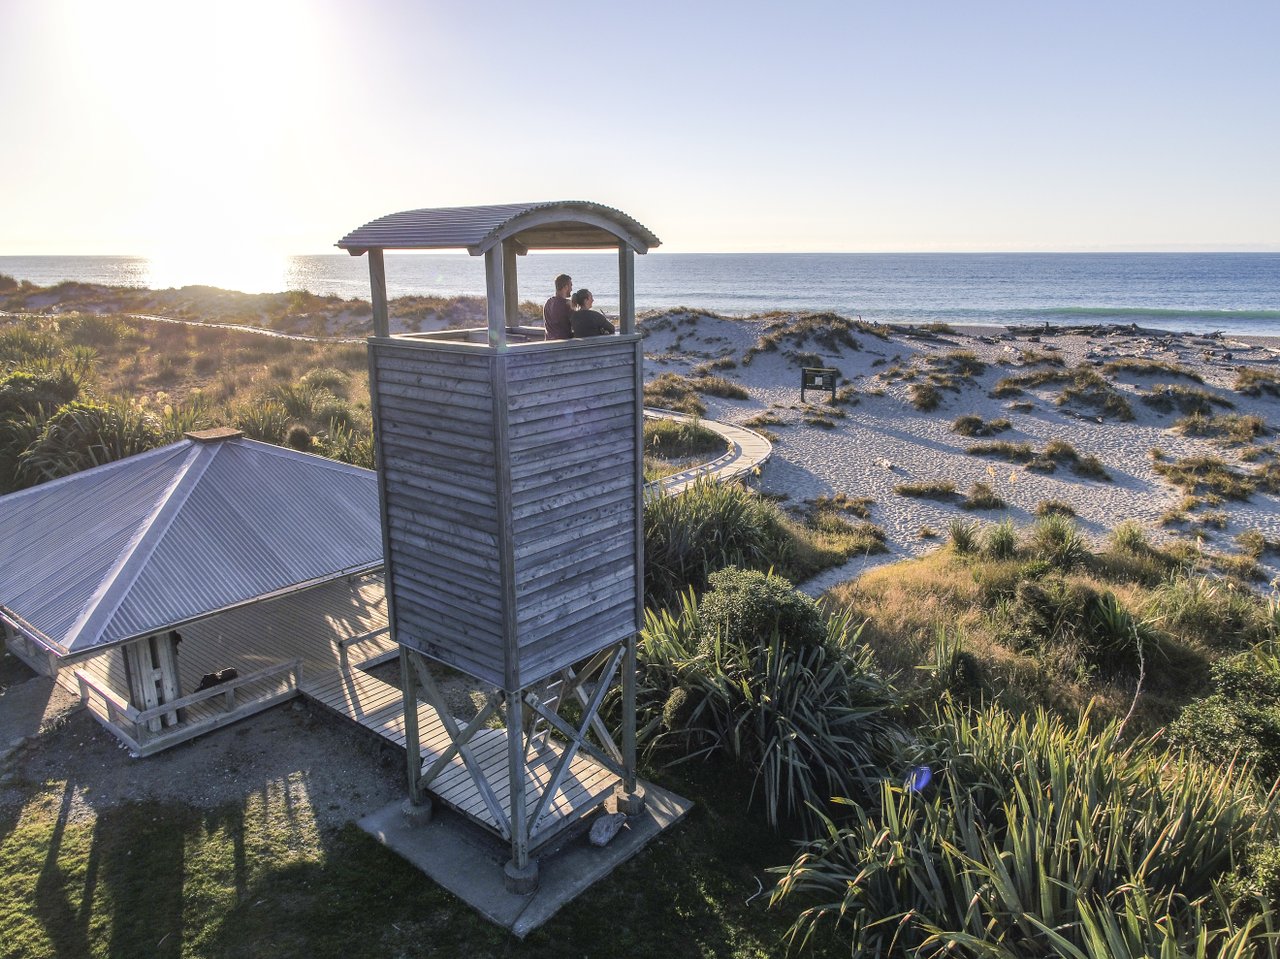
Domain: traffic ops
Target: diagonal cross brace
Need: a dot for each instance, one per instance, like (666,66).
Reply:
(575,741)
(451,727)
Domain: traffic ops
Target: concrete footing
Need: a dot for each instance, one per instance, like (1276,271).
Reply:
(472,864)
(521,880)
(416,813)
(629,803)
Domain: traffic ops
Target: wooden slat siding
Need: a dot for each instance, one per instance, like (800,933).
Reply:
(599,522)
(437,622)
(437,548)
(467,581)
(396,372)
(418,507)
(480,619)
(599,352)
(595,376)
(433,404)
(565,451)
(461,436)
(544,658)
(558,602)
(470,365)
(434,484)
(529,523)
(591,423)
(566,392)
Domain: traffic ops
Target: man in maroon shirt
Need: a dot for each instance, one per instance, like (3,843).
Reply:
(558,312)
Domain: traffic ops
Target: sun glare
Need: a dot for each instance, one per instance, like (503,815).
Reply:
(249,271)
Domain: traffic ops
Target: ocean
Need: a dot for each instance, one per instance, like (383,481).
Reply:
(1202,292)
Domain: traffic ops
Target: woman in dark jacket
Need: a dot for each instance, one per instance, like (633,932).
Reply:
(586,321)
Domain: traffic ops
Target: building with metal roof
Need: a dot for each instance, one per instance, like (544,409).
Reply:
(145,544)
(242,552)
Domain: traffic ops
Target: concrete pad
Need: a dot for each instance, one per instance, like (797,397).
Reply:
(468,861)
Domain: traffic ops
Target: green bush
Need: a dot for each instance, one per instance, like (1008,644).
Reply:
(1000,541)
(747,606)
(707,527)
(806,722)
(1040,838)
(1241,719)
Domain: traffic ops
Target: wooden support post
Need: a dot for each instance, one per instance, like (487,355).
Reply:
(626,289)
(166,648)
(521,873)
(509,285)
(142,679)
(496,296)
(412,747)
(629,796)
(378,293)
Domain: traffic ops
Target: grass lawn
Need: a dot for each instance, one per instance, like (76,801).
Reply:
(260,878)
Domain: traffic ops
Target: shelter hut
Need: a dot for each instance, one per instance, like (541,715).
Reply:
(511,489)
(187,587)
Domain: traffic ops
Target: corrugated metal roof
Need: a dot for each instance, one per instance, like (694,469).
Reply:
(576,224)
(177,533)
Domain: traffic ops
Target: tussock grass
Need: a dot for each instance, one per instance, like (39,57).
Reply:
(720,387)
(924,397)
(671,391)
(828,331)
(982,497)
(1232,428)
(1167,397)
(972,425)
(1206,474)
(1252,381)
(681,439)
(1046,460)
(1147,367)
(859,506)
(927,489)
(1081,386)
(1048,507)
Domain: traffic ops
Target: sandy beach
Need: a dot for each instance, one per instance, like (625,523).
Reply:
(881,440)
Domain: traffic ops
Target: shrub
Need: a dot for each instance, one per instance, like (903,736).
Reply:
(298,438)
(748,606)
(326,378)
(806,721)
(1227,428)
(1037,837)
(1241,719)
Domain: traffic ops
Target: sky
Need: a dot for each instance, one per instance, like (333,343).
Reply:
(169,127)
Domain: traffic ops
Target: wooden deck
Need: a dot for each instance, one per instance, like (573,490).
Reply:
(379,707)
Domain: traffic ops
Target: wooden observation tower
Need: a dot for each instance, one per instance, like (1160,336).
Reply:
(511,490)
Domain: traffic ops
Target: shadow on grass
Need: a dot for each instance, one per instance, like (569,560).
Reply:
(166,879)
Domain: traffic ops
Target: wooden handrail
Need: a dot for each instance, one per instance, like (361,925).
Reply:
(114,703)
(294,666)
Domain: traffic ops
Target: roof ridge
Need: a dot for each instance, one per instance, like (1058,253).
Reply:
(109,596)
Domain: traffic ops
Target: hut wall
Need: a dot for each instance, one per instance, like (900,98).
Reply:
(511,499)
(434,408)
(573,417)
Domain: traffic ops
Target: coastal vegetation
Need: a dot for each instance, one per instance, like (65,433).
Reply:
(1024,742)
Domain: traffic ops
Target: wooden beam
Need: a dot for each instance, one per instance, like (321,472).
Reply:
(378,293)
(626,289)
(496,296)
(509,285)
